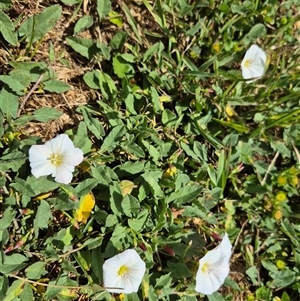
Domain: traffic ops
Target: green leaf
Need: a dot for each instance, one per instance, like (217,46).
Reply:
(113,138)
(288,229)
(14,290)
(134,149)
(169,118)
(7,217)
(281,147)
(283,278)
(155,49)
(46,114)
(118,40)
(56,86)
(27,293)
(138,223)
(81,139)
(216,296)
(7,29)
(100,173)
(285,297)
(116,198)
(96,265)
(35,69)
(178,270)
(129,102)
(85,47)
(63,238)
(13,84)
(3,286)
(130,168)
(130,205)
(42,217)
(35,27)
(23,187)
(152,178)
(107,85)
(104,49)
(92,124)
(85,186)
(258,30)
(13,263)
(185,194)
(131,21)
(21,76)
(263,293)
(163,281)
(9,103)
(71,2)
(121,66)
(83,23)
(36,270)
(5,4)
(12,161)
(188,150)
(157,106)
(93,243)
(91,78)
(103,8)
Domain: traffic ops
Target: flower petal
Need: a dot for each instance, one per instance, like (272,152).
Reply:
(254,63)
(73,157)
(226,246)
(39,161)
(39,153)
(209,282)
(214,268)
(63,174)
(42,168)
(130,281)
(60,144)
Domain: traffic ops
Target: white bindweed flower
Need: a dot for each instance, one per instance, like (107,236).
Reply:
(254,63)
(57,157)
(124,271)
(214,268)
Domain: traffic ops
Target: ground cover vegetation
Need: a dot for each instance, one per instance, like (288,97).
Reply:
(141,149)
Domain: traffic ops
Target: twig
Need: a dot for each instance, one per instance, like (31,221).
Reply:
(28,95)
(60,286)
(238,237)
(296,151)
(269,168)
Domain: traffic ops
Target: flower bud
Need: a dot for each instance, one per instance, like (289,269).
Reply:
(142,246)
(169,250)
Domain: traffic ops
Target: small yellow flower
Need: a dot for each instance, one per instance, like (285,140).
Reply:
(277,214)
(294,181)
(250,298)
(216,47)
(280,196)
(170,172)
(281,180)
(293,171)
(280,264)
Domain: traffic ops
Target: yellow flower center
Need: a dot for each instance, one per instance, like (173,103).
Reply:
(56,159)
(205,267)
(247,63)
(123,270)
(280,197)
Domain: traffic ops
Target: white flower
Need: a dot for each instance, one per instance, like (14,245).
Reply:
(254,63)
(124,271)
(56,157)
(214,268)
